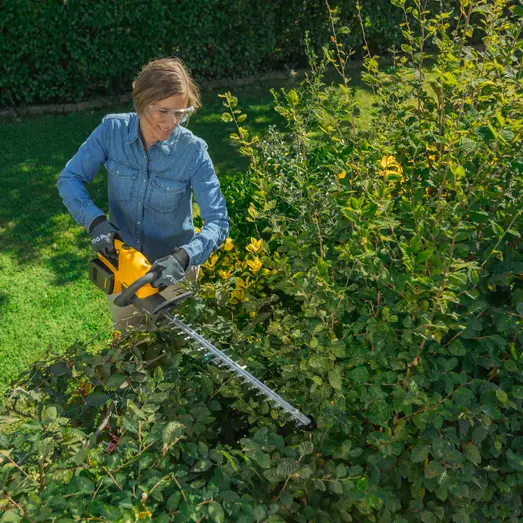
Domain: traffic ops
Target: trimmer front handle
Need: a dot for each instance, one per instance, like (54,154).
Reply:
(128,293)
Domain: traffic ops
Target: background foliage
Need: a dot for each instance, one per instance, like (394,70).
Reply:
(60,51)
(377,286)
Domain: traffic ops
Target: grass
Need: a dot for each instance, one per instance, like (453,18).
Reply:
(46,299)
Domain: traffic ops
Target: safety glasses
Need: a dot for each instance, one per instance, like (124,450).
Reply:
(179,116)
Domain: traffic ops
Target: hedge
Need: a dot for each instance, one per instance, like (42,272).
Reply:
(60,51)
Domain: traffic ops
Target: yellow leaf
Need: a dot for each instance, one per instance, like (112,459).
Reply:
(238,295)
(255,265)
(255,246)
(253,212)
(228,245)
(211,262)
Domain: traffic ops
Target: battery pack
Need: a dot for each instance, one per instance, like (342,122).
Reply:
(101,276)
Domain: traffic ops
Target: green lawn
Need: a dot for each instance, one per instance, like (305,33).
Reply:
(46,298)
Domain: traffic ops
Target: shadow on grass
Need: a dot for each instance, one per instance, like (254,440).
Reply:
(4,298)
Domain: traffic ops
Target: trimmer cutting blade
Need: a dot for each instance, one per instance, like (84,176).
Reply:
(129,274)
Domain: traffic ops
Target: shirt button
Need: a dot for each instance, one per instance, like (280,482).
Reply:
(138,223)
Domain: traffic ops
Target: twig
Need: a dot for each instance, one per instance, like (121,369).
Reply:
(155,359)
(15,464)
(180,487)
(112,477)
(426,409)
(19,508)
(134,458)
(96,491)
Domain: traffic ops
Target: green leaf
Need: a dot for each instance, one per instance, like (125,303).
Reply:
(419,453)
(480,433)
(335,378)
(457,348)
(115,381)
(96,399)
(259,513)
(306,447)
(433,470)
(461,516)
(158,374)
(459,490)
(516,460)
(230,459)
(287,466)
(84,484)
(264,460)
(502,396)
(472,454)
(319,485)
(173,501)
(11,516)
(428,517)
(272,476)
(202,465)
(286,499)
(59,369)
(336,487)
(517,391)
(216,512)
(293,97)
(441,493)
(172,431)
(80,456)
(464,397)
(49,414)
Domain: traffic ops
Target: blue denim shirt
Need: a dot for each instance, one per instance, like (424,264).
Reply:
(150,193)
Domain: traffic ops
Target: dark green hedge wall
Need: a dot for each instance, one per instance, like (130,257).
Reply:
(70,50)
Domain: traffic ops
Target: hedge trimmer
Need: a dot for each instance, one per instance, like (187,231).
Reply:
(129,274)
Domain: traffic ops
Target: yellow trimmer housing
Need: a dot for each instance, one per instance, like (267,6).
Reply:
(129,275)
(115,275)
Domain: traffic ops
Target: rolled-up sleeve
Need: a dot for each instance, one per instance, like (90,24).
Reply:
(213,209)
(81,170)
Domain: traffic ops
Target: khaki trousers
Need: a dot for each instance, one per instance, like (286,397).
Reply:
(125,317)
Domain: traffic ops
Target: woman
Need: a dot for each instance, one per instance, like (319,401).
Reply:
(154,165)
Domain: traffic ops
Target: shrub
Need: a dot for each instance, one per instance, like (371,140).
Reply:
(379,290)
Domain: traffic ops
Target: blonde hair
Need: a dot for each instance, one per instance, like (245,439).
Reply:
(163,78)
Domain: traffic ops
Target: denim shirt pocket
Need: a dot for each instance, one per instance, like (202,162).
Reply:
(121,180)
(166,194)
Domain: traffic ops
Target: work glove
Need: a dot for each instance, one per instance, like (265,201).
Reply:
(170,269)
(103,233)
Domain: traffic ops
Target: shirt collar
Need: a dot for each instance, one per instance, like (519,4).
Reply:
(166,146)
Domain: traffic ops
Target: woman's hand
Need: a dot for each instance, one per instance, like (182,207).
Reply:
(102,238)
(170,269)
